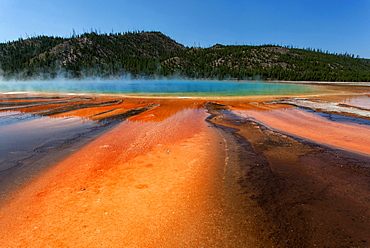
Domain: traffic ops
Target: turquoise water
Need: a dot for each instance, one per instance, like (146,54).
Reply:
(157,87)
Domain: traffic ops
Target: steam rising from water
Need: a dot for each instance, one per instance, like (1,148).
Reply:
(1,74)
(154,87)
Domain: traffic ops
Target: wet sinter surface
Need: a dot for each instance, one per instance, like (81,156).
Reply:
(164,176)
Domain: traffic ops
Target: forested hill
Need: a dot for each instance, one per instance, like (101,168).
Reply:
(152,54)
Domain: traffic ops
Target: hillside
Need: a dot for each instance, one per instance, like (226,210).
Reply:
(152,54)
(268,62)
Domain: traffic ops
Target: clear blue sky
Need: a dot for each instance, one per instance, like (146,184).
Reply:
(334,25)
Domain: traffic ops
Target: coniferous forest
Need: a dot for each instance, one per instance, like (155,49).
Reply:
(155,55)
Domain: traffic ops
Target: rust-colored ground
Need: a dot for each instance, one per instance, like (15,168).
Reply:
(165,177)
(157,180)
(314,196)
(348,136)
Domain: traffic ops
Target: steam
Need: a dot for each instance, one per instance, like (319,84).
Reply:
(102,81)
(154,87)
(99,72)
(1,74)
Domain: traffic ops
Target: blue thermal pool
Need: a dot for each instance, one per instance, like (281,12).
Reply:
(158,87)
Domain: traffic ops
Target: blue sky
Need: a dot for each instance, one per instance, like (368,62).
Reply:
(334,25)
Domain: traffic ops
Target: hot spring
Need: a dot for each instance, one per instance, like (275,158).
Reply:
(157,87)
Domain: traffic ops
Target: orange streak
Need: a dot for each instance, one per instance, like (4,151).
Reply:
(349,136)
(144,184)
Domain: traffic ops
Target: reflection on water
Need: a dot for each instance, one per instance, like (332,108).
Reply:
(31,143)
(158,87)
(39,131)
(338,117)
(23,136)
(359,101)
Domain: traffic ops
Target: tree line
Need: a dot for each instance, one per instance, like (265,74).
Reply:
(152,54)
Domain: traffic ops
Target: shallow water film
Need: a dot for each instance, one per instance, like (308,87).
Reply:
(287,169)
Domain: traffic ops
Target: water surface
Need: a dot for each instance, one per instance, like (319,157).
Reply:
(362,101)
(30,143)
(158,87)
